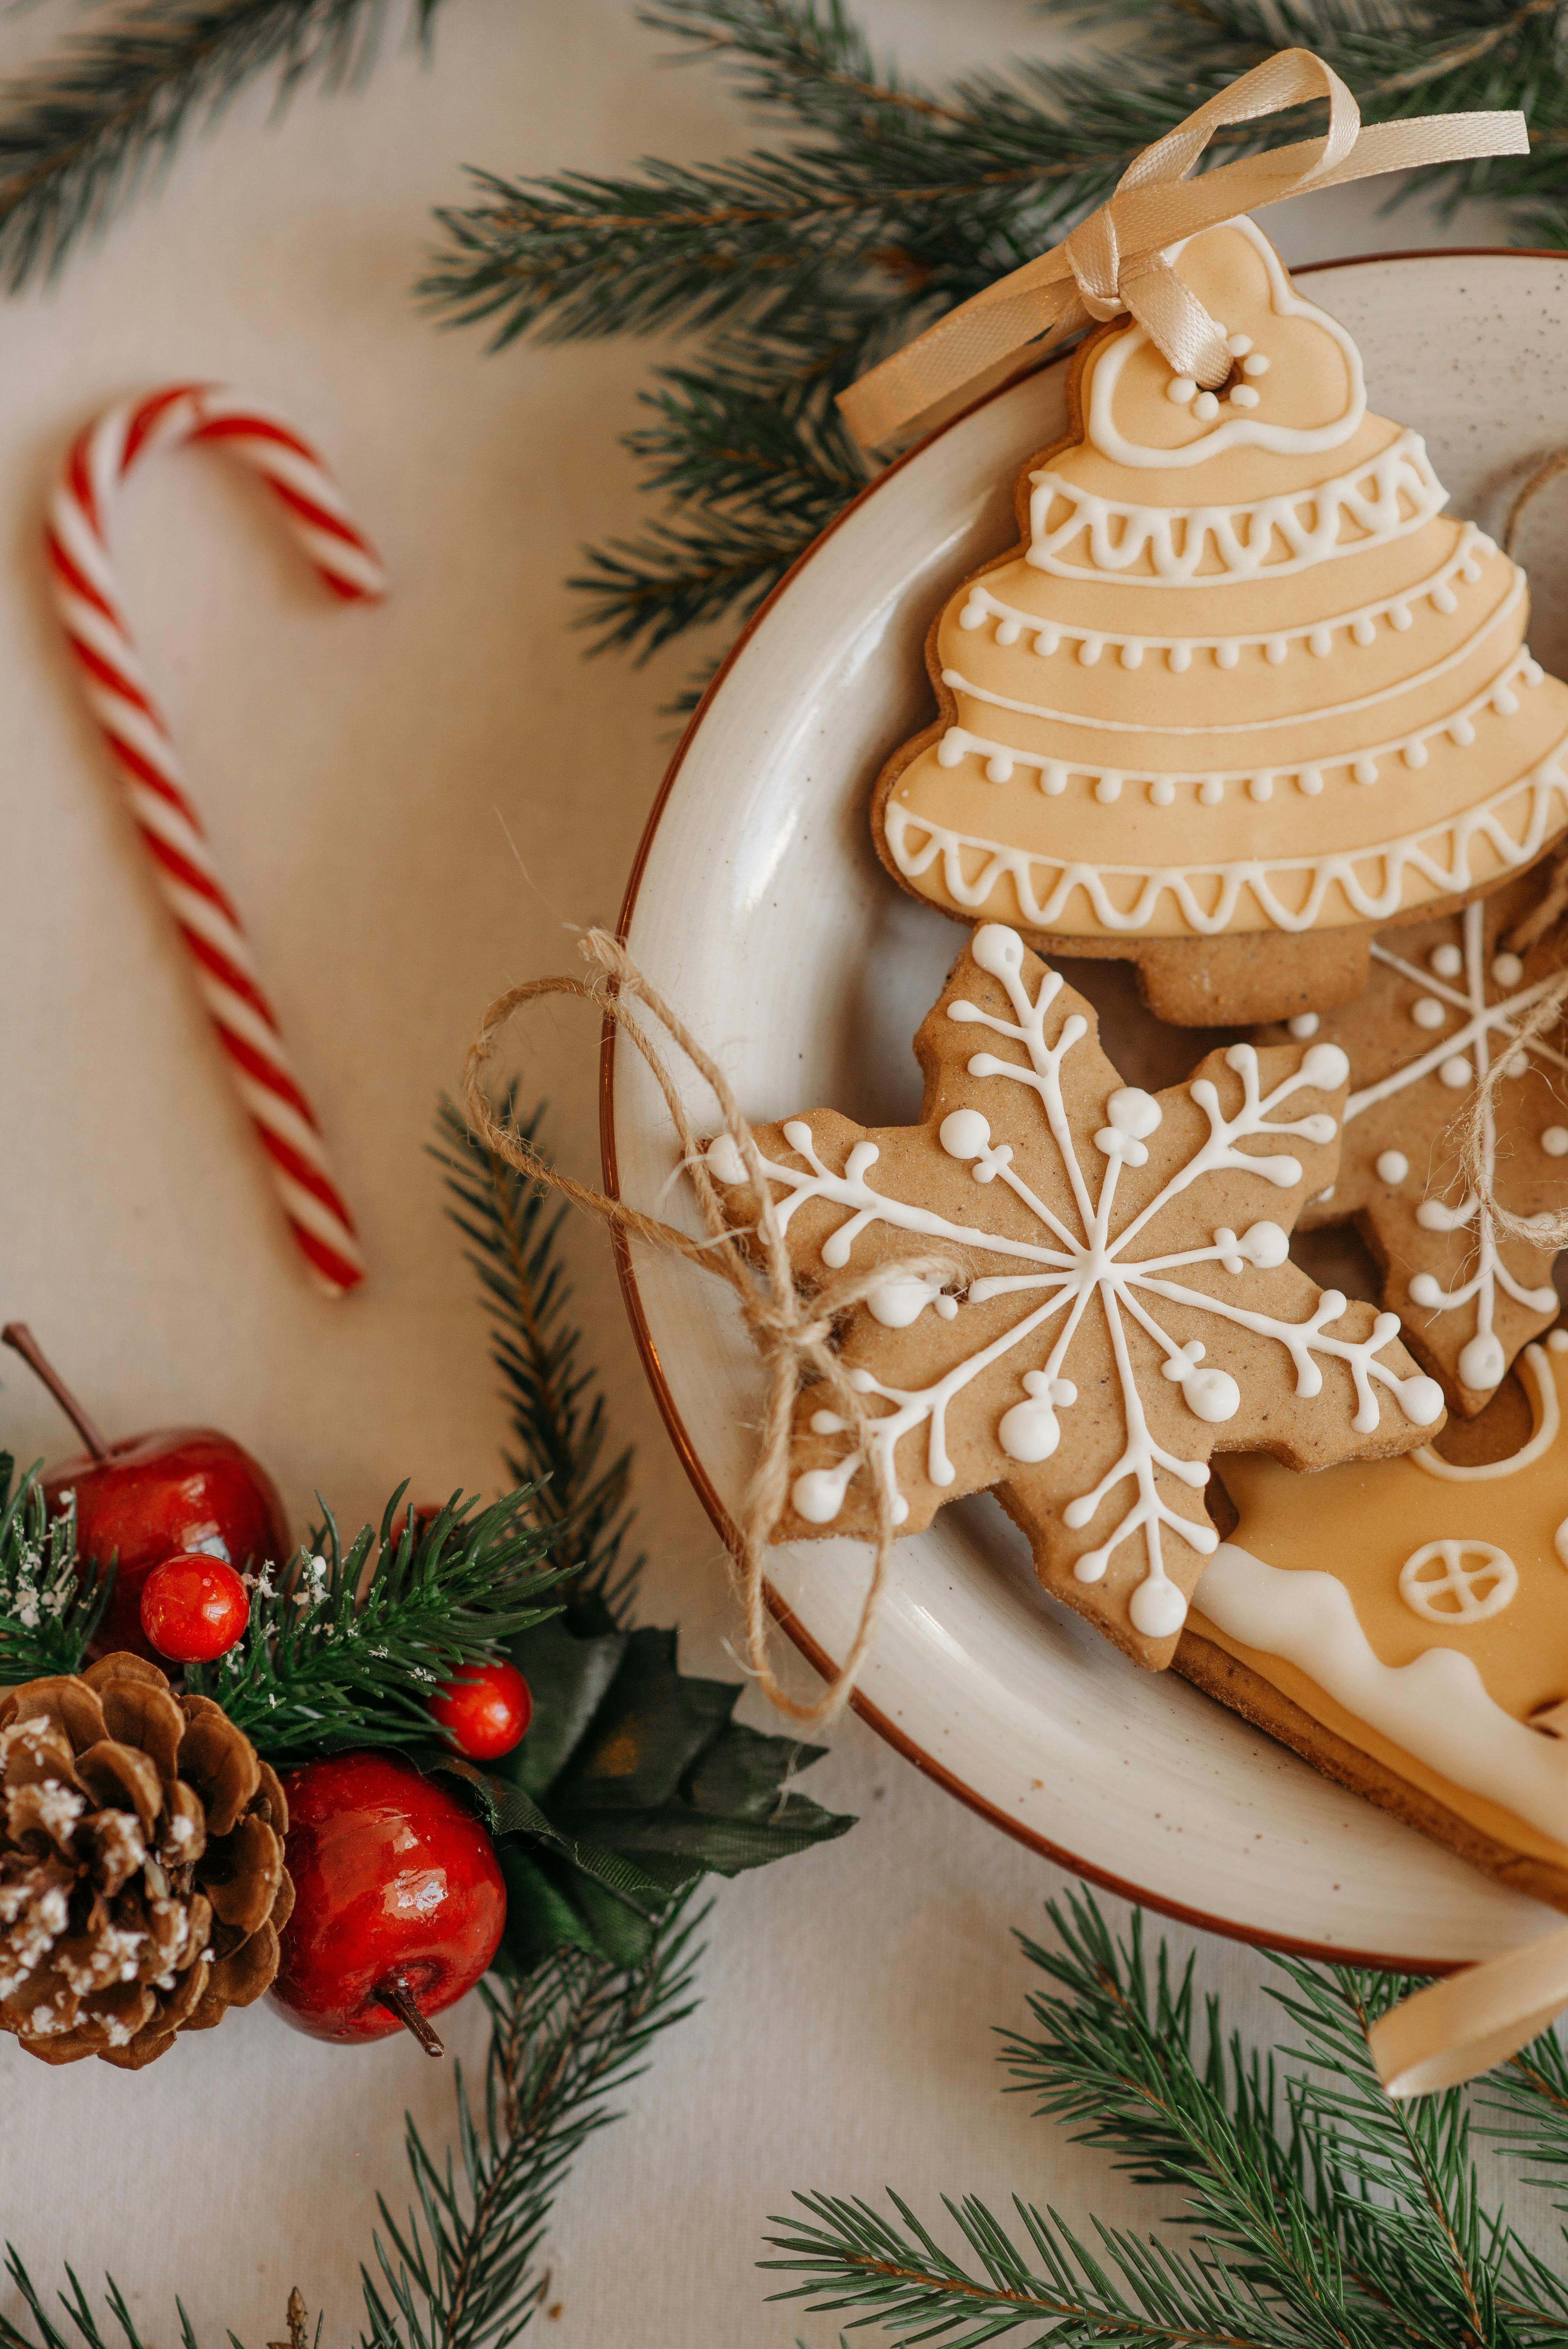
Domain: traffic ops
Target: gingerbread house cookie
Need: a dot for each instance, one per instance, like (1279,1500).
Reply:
(1408,1633)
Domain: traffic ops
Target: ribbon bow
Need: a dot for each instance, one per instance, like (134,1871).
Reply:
(1116,260)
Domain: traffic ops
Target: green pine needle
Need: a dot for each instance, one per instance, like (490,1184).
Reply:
(559,1427)
(460,2269)
(1314,2212)
(346,1650)
(48,1612)
(83,133)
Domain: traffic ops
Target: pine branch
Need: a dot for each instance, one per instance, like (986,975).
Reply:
(83,133)
(78,2308)
(560,1431)
(346,1650)
(1430,2248)
(1317,2214)
(47,1611)
(879,204)
(460,2271)
(1529,2094)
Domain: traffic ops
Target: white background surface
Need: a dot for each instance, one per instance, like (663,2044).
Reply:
(415,806)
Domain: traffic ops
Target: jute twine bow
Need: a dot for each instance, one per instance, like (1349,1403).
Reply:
(1116,259)
(792,1332)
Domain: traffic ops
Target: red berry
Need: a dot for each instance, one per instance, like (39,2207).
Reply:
(485,1711)
(194,1607)
(399,1900)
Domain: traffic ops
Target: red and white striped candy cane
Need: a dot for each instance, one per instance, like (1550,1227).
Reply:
(117,692)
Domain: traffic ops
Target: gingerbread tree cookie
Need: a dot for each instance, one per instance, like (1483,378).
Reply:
(1408,1633)
(1445,999)
(1127,1305)
(1243,691)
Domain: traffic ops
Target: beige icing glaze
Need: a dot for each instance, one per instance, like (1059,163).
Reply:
(1365,1522)
(1231,685)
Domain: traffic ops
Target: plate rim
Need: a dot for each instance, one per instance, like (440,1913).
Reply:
(882,1723)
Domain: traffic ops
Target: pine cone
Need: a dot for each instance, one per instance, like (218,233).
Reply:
(142,1885)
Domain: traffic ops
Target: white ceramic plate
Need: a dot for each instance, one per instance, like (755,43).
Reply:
(759,907)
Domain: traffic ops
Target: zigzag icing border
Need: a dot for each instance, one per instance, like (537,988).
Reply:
(1226,885)
(1243,536)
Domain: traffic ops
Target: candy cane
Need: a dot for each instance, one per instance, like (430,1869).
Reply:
(120,700)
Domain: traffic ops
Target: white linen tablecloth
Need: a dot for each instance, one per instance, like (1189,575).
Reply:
(415,806)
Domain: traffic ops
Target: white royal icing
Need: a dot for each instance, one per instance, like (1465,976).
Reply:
(1457,1582)
(1456,1061)
(1085,1256)
(1396,493)
(1244,432)
(1436,1707)
(1363,765)
(1538,1370)
(1514,667)
(1208,894)
(1359,626)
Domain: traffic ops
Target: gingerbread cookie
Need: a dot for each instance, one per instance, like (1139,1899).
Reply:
(1127,1305)
(1243,691)
(1408,1633)
(1445,1000)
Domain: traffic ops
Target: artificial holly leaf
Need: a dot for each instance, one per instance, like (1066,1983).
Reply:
(568,1674)
(654,1785)
(510,1810)
(652,1728)
(1122,1302)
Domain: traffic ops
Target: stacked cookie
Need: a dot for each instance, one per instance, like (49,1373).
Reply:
(1247,705)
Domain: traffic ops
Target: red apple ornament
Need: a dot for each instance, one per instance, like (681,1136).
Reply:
(194,1607)
(399,1900)
(485,1710)
(149,1497)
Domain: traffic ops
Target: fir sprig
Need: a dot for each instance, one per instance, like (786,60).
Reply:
(49,1609)
(347,1647)
(1315,2212)
(83,133)
(880,201)
(559,1429)
(461,2270)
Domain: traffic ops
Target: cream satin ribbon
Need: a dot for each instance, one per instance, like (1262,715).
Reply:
(1472,2019)
(1116,259)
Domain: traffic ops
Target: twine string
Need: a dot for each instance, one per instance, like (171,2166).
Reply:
(1474,1131)
(792,1330)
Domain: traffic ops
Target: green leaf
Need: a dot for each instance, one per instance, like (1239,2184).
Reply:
(569,1674)
(652,1726)
(632,1782)
(50,1601)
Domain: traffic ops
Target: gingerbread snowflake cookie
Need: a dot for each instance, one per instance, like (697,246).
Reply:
(1126,1306)
(1243,691)
(1445,1000)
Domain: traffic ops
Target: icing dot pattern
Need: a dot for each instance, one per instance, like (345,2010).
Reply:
(959,742)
